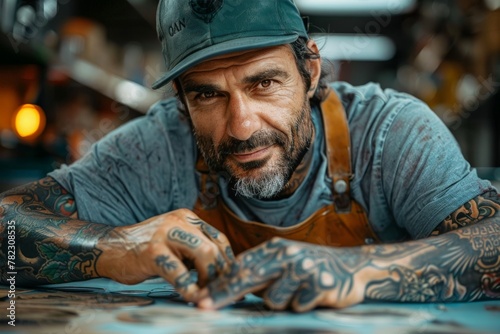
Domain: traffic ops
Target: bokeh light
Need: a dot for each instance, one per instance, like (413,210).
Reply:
(29,121)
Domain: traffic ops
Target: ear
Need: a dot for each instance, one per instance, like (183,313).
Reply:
(174,86)
(314,66)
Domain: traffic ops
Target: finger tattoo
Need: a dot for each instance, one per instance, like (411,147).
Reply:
(229,253)
(183,237)
(163,262)
(194,221)
(208,229)
(183,281)
(212,272)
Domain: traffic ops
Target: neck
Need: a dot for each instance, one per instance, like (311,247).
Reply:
(299,174)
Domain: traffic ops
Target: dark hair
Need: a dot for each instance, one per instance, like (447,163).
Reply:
(302,53)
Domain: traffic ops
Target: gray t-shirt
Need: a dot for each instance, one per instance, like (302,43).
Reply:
(409,171)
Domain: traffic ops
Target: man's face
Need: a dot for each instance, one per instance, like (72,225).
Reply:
(251,117)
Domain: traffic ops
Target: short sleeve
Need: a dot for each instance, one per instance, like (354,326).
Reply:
(424,174)
(140,170)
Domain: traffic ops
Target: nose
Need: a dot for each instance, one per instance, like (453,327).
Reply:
(243,119)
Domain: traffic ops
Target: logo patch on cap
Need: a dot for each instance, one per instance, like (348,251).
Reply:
(206,9)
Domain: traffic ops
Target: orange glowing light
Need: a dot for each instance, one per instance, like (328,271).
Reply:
(29,121)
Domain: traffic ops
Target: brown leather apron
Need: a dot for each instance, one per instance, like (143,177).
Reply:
(342,223)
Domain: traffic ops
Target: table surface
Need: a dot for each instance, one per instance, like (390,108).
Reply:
(104,306)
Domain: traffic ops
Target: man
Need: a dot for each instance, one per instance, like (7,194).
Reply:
(266,160)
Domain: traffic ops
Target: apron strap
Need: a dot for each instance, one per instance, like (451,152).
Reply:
(338,147)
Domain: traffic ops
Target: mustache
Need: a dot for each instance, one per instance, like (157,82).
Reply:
(259,139)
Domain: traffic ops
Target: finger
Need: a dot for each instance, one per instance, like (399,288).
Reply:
(171,268)
(221,293)
(222,243)
(279,294)
(225,264)
(215,235)
(209,269)
(305,299)
(226,289)
(189,244)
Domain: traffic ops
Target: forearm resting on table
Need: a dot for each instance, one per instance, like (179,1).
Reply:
(51,246)
(461,265)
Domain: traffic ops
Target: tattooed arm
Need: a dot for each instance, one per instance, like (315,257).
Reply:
(41,213)
(462,264)
(53,246)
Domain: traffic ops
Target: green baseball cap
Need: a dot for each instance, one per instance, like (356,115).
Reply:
(191,31)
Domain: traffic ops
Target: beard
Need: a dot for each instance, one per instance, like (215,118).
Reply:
(261,178)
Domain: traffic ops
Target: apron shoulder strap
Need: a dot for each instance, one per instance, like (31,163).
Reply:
(338,147)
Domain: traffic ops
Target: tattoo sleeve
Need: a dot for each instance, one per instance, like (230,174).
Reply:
(460,262)
(39,230)
(475,210)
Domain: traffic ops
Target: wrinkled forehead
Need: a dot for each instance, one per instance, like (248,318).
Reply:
(257,58)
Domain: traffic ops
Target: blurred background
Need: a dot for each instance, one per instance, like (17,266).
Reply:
(73,70)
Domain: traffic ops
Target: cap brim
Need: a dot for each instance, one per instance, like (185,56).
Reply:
(241,44)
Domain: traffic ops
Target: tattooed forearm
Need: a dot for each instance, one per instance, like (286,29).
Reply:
(299,273)
(51,246)
(462,265)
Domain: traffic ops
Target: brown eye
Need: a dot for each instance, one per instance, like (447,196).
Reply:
(265,83)
(208,95)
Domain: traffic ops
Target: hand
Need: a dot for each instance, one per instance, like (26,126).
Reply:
(292,275)
(168,245)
